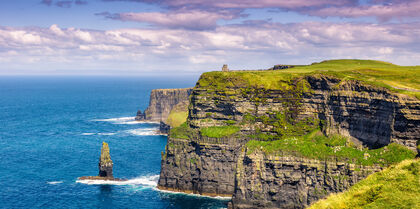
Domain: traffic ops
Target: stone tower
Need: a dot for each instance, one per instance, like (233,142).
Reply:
(105,162)
(225,68)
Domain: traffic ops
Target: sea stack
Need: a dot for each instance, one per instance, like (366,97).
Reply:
(105,166)
(105,162)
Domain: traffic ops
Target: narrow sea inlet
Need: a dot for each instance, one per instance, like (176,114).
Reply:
(51,133)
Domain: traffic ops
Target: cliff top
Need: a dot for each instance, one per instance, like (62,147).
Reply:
(401,79)
(166,90)
(396,187)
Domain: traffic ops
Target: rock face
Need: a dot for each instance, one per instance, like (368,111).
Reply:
(162,101)
(140,115)
(105,167)
(291,182)
(105,162)
(164,128)
(370,116)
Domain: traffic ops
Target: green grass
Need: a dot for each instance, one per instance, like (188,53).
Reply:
(178,114)
(317,146)
(176,118)
(181,132)
(402,79)
(395,187)
(219,131)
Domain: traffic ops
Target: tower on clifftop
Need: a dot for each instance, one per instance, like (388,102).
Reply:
(225,68)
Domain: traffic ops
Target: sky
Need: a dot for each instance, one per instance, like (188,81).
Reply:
(180,37)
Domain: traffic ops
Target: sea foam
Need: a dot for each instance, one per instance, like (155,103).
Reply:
(54,182)
(195,195)
(144,131)
(150,181)
(123,120)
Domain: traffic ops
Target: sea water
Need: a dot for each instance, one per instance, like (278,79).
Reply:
(51,132)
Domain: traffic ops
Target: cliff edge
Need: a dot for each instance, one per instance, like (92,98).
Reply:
(167,106)
(162,101)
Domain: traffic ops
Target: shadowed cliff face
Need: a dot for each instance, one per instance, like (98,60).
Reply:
(163,100)
(206,162)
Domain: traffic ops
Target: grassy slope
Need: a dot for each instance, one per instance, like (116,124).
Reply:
(402,79)
(317,146)
(219,131)
(178,115)
(396,187)
(176,118)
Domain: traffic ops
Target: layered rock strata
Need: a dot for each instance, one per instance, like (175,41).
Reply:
(161,103)
(370,116)
(267,181)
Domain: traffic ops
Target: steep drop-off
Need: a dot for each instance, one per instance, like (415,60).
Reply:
(167,106)
(230,111)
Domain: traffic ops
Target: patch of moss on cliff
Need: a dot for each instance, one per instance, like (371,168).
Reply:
(395,187)
(181,132)
(219,131)
(317,146)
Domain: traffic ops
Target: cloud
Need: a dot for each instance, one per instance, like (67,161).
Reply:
(383,10)
(229,4)
(63,3)
(187,19)
(175,50)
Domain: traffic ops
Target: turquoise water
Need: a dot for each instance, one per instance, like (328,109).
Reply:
(51,130)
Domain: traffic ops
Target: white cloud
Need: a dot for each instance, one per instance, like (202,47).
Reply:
(240,46)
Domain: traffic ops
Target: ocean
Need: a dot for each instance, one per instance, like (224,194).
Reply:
(51,132)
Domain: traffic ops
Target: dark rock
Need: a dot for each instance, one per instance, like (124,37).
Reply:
(164,128)
(281,67)
(140,115)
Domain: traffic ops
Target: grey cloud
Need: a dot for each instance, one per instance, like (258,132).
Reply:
(64,3)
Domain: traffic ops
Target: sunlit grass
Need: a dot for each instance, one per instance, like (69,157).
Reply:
(317,146)
(396,187)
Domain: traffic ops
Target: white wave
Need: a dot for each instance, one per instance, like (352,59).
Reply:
(195,195)
(101,134)
(54,182)
(144,131)
(106,134)
(150,181)
(124,120)
(88,134)
(115,119)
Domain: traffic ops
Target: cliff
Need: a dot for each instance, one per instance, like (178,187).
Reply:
(162,101)
(283,139)
(167,106)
